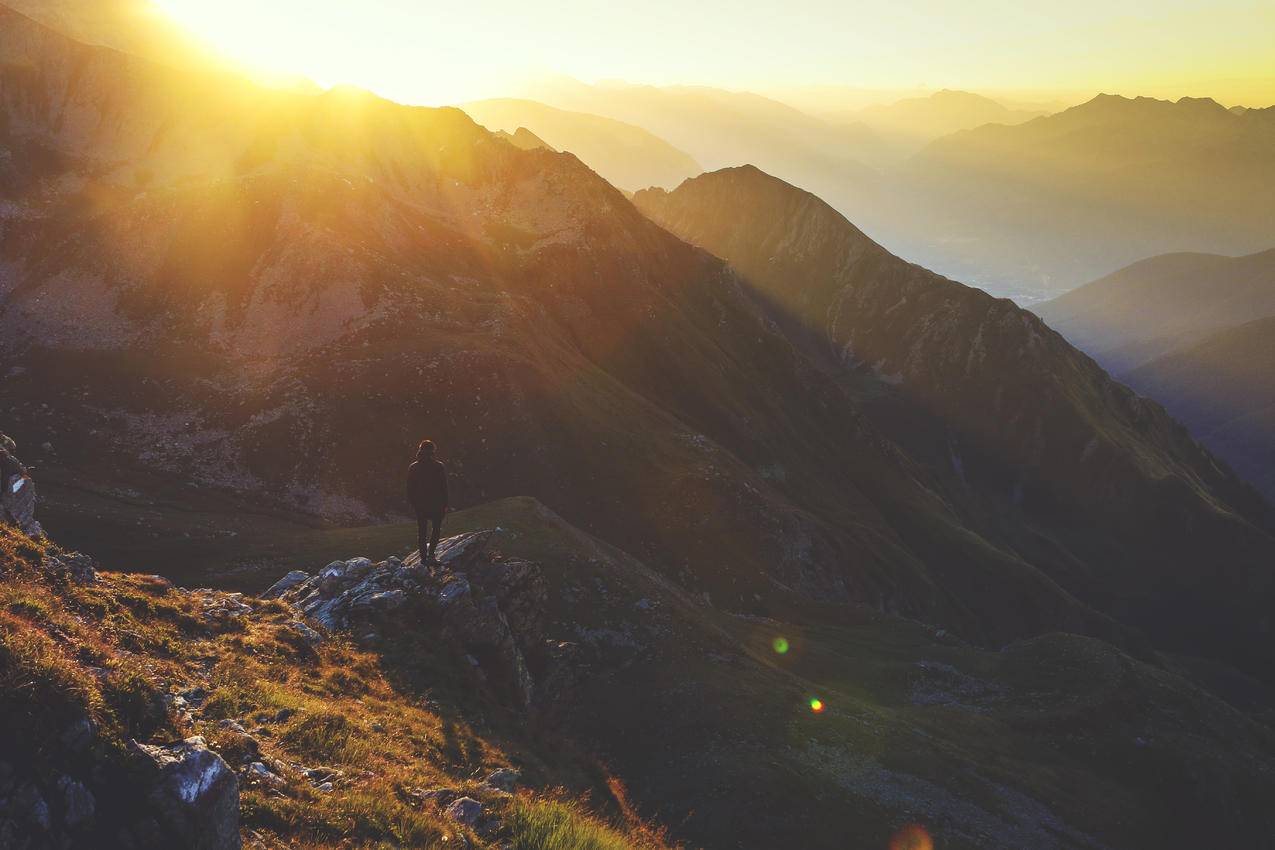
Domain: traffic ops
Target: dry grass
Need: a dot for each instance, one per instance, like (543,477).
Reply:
(114,649)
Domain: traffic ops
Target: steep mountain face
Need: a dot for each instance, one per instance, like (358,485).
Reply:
(1059,200)
(1223,388)
(627,156)
(1163,303)
(1015,421)
(909,124)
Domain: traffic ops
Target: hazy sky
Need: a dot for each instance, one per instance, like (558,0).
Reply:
(435,53)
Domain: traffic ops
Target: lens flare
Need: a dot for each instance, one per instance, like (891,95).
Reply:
(780,645)
(816,705)
(912,837)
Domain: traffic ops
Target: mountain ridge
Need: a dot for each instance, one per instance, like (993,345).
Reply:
(1164,302)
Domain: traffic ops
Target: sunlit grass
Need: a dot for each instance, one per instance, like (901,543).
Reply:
(546,824)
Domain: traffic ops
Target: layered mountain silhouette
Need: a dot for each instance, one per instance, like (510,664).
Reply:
(627,156)
(722,128)
(1223,388)
(1162,303)
(910,124)
(1055,202)
(1188,330)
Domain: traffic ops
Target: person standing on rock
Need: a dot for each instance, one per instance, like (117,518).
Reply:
(427,492)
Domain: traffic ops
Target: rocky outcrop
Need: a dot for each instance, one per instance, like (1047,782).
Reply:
(490,608)
(177,795)
(17,490)
(194,796)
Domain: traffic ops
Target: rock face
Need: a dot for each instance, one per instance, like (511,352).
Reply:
(195,795)
(491,607)
(17,490)
(178,795)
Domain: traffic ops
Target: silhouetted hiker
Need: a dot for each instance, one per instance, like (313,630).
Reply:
(427,491)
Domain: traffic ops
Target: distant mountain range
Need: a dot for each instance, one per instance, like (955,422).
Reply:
(1054,202)
(1223,388)
(721,128)
(907,125)
(1162,303)
(627,156)
(1194,332)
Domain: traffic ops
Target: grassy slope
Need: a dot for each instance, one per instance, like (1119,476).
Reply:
(389,726)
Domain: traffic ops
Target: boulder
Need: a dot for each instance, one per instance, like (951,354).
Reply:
(17,491)
(78,804)
(194,794)
(504,779)
(285,584)
(309,635)
(465,810)
(382,600)
(453,591)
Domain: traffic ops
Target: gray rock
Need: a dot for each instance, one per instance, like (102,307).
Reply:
(385,600)
(260,772)
(78,805)
(232,725)
(465,810)
(358,567)
(505,779)
(311,637)
(194,794)
(17,491)
(453,591)
(336,568)
(462,547)
(285,584)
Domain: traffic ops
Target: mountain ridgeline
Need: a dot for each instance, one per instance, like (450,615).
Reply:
(1012,420)
(1162,303)
(1055,202)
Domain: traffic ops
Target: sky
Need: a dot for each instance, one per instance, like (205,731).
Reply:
(442,53)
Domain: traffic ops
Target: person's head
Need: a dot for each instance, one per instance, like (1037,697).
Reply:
(425,449)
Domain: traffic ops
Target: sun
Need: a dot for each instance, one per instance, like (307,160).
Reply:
(329,43)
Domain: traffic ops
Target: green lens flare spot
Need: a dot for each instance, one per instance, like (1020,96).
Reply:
(780,645)
(816,705)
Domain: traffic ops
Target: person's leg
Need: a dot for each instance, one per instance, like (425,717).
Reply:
(435,534)
(422,534)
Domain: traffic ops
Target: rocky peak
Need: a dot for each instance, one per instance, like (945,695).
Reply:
(491,609)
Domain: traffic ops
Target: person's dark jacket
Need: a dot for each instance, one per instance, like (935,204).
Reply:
(427,486)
